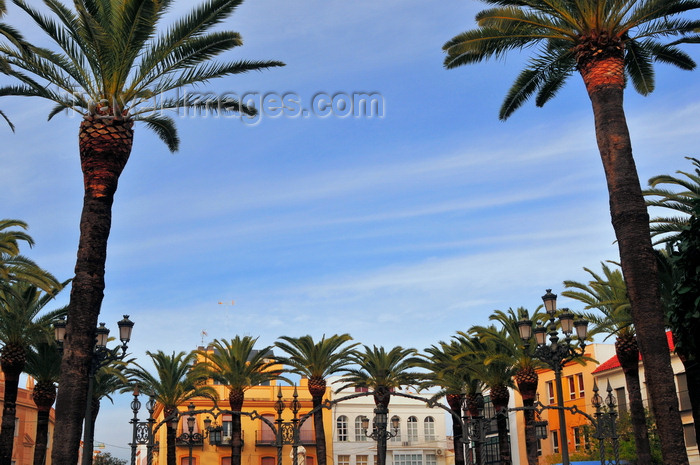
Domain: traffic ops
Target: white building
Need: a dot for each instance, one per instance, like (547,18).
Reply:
(421,438)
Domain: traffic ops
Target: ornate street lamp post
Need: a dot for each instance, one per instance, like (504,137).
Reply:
(558,353)
(101,356)
(190,437)
(379,432)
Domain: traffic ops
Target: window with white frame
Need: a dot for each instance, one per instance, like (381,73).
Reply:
(408,459)
(343,460)
(412,429)
(429,428)
(555,442)
(359,433)
(550,391)
(342,428)
(361,460)
(430,459)
(578,437)
(396,420)
(572,387)
(581,387)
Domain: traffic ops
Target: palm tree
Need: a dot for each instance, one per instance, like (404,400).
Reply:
(382,372)
(606,42)
(679,201)
(115,68)
(608,294)
(15,267)
(239,366)
(177,379)
(455,380)
(316,361)
(20,327)
(483,354)
(108,380)
(521,357)
(43,364)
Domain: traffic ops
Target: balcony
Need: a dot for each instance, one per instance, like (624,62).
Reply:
(267,438)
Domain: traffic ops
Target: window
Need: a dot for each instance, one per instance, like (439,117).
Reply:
(186,461)
(263,461)
(572,387)
(429,428)
(689,433)
(267,435)
(412,429)
(408,459)
(430,459)
(343,460)
(359,433)
(342,425)
(550,391)
(361,460)
(621,400)
(306,431)
(361,389)
(396,438)
(578,438)
(683,396)
(16,426)
(227,428)
(555,442)
(309,460)
(581,389)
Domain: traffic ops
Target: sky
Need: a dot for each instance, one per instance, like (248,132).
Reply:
(400,227)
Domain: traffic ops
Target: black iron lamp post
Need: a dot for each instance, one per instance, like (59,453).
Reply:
(558,353)
(142,431)
(101,356)
(190,437)
(379,432)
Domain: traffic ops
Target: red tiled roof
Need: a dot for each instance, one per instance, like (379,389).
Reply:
(615,363)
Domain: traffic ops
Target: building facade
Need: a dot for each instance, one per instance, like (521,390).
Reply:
(611,371)
(420,439)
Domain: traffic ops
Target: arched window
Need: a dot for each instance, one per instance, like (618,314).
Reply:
(412,429)
(359,434)
(396,420)
(429,428)
(342,427)
(267,435)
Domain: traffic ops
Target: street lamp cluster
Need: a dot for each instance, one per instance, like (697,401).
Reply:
(101,356)
(559,352)
(379,432)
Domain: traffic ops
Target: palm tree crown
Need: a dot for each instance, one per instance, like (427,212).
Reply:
(571,35)
(113,64)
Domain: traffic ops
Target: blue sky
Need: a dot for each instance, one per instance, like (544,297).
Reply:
(399,229)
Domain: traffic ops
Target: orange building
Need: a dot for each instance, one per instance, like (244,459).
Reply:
(577,387)
(25,425)
(259,445)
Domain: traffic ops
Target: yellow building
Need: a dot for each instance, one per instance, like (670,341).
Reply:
(577,387)
(259,445)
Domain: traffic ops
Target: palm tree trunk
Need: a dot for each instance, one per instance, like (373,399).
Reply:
(319,430)
(42,434)
(235,401)
(500,405)
(105,146)
(629,361)
(170,438)
(528,391)
(455,403)
(7,430)
(604,79)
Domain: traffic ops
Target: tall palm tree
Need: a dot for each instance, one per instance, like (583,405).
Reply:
(115,65)
(21,325)
(521,357)
(43,364)
(606,42)
(455,381)
(177,378)
(16,267)
(681,202)
(238,365)
(316,361)
(484,356)
(608,294)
